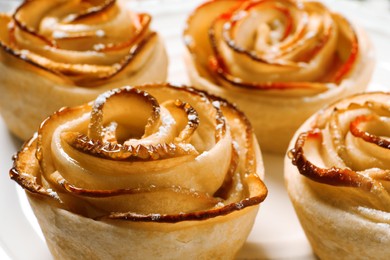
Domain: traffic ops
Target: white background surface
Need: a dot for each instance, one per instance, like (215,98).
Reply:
(277,233)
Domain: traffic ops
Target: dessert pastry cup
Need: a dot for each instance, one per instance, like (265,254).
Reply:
(140,175)
(65,53)
(338,180)
(278,60)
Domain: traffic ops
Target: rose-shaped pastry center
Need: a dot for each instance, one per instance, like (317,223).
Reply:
(82,41)
(271,45)
(349,147)
(128,156)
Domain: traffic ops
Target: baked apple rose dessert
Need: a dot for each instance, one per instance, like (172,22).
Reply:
(339,178)
(65,53)
(144,176)
(278,60)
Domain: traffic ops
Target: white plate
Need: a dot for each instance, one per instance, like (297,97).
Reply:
(277,233)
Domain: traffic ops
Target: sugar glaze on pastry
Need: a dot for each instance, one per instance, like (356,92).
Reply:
(278,60)
(152,172)
(65,53)
(338,178)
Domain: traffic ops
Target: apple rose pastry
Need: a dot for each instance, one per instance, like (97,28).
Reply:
(278,60)
(144,176)
(339,178)
(65,53)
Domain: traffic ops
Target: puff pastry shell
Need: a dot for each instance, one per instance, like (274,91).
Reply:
(139,174)
(65,53)
(339,183)
(278,60)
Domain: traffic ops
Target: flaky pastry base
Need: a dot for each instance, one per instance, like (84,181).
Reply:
(77,237)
